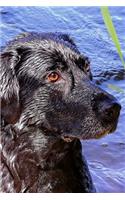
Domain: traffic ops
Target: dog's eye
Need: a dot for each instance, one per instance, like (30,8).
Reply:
(53,77)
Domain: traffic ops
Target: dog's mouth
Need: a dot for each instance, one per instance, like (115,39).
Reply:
(68,134)
(95,135)
(99,134)
(104,132)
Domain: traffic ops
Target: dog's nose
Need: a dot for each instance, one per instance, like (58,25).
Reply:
(110,110)
(106,106)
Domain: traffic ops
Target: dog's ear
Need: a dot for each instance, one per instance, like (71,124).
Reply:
(9,87)
(67,38)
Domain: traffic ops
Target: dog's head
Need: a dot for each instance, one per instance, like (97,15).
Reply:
(47,83)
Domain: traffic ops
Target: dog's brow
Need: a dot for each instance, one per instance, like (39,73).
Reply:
(59,66)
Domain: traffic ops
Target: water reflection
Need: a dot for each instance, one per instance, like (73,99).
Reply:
(106,157)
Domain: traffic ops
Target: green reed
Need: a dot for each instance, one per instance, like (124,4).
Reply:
(112,32)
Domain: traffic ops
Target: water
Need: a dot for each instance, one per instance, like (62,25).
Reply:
(106,156)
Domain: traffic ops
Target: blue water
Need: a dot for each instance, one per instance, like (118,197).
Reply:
(106,156)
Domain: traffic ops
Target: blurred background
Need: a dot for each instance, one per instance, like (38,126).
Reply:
(106,156)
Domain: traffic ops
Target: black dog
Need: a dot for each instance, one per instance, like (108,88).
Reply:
(48,103)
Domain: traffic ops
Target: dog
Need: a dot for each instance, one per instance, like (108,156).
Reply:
(48,104)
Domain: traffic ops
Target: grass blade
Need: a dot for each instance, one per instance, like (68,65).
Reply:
(116,88)
(111,29)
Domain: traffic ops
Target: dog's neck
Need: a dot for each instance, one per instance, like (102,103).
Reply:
(47,163)
(61,163)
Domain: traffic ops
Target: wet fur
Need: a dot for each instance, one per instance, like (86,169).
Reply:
(43,122)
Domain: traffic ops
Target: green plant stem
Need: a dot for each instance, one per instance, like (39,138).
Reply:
(111,30)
